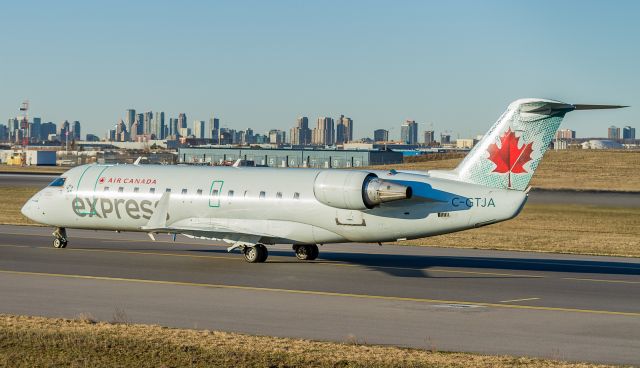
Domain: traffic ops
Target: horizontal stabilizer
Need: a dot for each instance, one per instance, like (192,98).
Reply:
(597,107)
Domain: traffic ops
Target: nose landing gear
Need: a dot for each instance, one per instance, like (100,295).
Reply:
(60,240)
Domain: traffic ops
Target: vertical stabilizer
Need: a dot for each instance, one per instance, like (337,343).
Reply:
(508,155)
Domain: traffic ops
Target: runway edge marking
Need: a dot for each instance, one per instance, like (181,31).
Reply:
(322,293)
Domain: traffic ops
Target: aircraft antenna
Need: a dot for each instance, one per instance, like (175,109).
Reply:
(24,124)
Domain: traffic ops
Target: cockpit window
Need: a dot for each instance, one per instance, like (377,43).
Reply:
(59,182)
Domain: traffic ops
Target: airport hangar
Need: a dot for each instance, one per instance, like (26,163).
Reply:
(313,158)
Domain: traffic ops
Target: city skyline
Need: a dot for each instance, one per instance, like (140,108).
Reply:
(454,65)
(149,125)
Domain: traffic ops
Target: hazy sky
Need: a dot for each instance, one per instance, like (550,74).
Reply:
(260,64)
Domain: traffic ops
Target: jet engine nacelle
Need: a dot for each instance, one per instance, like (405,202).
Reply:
(356,190)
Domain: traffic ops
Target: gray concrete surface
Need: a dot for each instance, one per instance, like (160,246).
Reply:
(569,307)
(26,180)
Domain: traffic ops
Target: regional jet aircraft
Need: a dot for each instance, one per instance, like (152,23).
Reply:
(251,208)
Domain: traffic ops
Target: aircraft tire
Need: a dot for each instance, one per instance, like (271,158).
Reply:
(315,252)
(59,243)
(255,254)
(306,252)
(264,251)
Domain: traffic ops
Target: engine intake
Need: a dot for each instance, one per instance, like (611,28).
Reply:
(356,190)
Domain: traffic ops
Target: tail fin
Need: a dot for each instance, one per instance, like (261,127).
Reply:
(508,155)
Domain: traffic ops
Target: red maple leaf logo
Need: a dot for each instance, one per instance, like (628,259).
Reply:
(508,157)
(101,180)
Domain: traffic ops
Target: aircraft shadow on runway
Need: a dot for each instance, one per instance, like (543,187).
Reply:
(415,265)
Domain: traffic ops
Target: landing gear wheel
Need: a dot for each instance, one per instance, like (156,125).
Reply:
(60,238)
(306,252)
(315,252)
(59,243)
(256,254)
(265,252)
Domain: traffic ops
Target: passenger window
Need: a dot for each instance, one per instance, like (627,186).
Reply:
(58,182)
(152,190)
(214,192)
(230,194)
(279,195)
(121,189)
(106,189)
(246,194)
(136,190)
(168,190)
(199,192)
(262,195)
(296,195)
(184,191)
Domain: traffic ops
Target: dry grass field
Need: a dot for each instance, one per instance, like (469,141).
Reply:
(32,169)
(554,228)
(13,198)
(45,342)
(571,169)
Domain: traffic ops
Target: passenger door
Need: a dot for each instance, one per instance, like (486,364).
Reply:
(215,192)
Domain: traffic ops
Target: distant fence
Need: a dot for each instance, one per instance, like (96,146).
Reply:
(435,157)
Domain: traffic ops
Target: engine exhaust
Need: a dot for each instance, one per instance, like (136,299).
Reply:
(377,191)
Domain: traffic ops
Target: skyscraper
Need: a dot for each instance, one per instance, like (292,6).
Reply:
(174,131)
(429,137)
(613,133)
(277,136)
(122,134)
(445,138)
(344,130)
(247,137)
(76,130)
(301,134)
(199,129)
(139,123)
(214,125)
(148,120)
(65,131)
(627,132)
(36,129)
(324,133)
(46,129)
(380,135)
(182,120)
(4,133)
(409,132)
(130,118)
(158,127)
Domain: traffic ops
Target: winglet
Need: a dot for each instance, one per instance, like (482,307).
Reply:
(597,107)
(159,218)
(237,163)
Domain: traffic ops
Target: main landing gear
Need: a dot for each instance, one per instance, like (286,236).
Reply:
(256,254)
(60,240)
(306,252)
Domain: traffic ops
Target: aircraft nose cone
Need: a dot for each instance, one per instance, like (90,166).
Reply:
(31,209)
(27,210)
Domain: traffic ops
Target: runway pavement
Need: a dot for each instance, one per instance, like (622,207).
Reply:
(547,305)
(536,196)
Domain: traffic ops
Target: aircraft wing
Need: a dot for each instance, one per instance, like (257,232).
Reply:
(237,231)
(212,225)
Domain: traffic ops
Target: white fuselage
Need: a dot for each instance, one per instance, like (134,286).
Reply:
(277,204)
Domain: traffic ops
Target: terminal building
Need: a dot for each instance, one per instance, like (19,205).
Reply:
(314,158)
